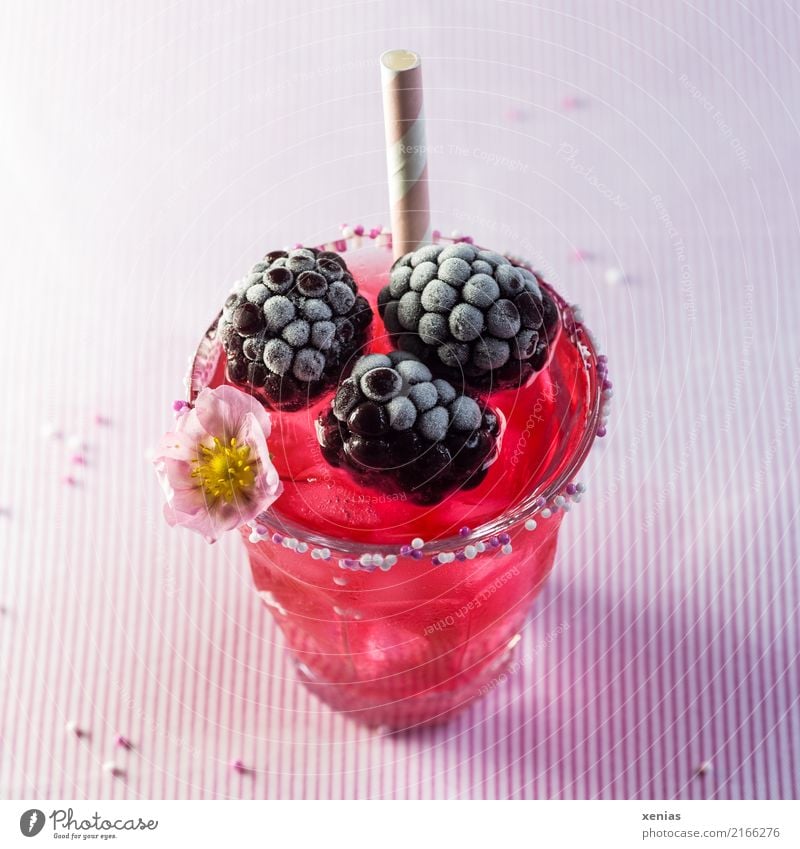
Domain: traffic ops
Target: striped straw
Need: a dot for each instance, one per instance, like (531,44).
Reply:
(406,153)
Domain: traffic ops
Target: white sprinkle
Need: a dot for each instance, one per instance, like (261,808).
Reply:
(417,543)
(339,611)
(559,501)
(581,487)
(72,728)
(341,582)
(470,552)
(365,560)
(326,553)
(507,548)
(577,498)
(254,537)
(50,431)
(347,233)
(316,554)
(455,234)
(390,560)
(481,546)
(77,443)
(705,768)
(377,559)
(111,767)
(530,525)
(566,507)
(302,547)
(614,276)
(608,393)
(547,513)
(291,542)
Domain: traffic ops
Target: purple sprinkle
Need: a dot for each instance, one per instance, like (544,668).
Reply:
(468,239)
(277,539)
(465,531)
(541,502)
(416,554)
(460,556)
(405,550)
(358,230)
(505,539)
(494,542)
(571,489)
(123,742)
(602,358)
(261,530)
(601,432)
(607,384)
(435,561)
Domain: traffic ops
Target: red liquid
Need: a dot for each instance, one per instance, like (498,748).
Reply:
(415,644)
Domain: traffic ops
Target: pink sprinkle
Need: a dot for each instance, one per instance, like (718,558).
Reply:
(123,742)
(179,405)
(238,766)
(79,459)
(69,480)
(436,235)
(580,255)
(297,245)
(101,421)
(341,245)
(570,102)
(468,240)
(515,114)
(375,232)
(358,230)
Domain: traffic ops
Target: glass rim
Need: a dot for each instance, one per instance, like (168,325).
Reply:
(528,507)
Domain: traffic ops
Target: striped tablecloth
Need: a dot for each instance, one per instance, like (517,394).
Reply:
(150,151)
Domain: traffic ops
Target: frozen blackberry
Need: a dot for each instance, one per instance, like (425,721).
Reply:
(292,326)
(395,427)
(470,314)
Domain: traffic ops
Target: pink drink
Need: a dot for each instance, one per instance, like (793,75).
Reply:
(412,642)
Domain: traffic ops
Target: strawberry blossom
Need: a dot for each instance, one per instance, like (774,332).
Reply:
(215,468)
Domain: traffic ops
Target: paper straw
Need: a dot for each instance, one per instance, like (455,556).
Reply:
(406,152)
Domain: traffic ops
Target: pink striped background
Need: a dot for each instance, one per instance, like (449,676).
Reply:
(150,151)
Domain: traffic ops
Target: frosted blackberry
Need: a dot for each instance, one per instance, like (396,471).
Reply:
(292,326)
(395,427)
(471,315)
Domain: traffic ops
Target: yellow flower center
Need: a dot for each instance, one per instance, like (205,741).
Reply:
(224,471)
